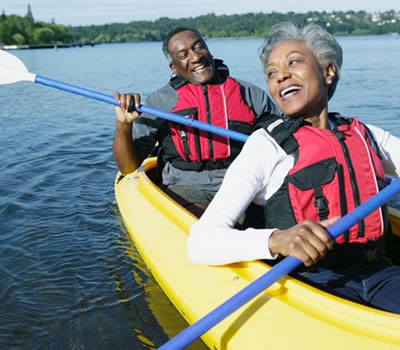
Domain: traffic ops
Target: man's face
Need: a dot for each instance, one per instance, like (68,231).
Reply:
(191,59)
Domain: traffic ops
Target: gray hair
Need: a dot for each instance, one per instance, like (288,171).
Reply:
(323,44)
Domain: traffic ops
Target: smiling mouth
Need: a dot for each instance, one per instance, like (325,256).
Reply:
(200,68)
(289,90)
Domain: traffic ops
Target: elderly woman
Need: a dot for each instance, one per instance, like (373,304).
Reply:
(307,170)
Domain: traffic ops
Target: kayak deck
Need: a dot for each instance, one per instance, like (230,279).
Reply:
(289,314)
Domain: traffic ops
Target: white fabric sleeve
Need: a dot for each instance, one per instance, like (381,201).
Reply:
(213,240)
(389,147)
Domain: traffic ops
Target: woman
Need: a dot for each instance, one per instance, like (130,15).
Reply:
(307,171)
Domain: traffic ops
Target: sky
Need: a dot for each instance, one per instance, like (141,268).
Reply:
(86,12)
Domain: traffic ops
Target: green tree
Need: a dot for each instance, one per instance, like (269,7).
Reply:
(44,35)
(18,39)
(29,14)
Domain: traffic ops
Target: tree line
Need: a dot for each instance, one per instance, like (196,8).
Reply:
(18,30)
(24,30)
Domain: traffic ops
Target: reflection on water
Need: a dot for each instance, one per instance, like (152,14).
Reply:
(69,274)
(163,310)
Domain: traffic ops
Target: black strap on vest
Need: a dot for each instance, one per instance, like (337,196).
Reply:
(200,166)
(281,130)
(183,135)
(320,203)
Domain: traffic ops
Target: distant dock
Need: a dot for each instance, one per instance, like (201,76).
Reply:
(42,46)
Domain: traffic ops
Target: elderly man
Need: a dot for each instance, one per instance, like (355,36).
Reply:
(194,162)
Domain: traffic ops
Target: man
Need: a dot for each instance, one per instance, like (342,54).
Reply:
(194,162)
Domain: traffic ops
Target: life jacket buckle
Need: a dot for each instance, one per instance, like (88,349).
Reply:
(322,207)
(183,135)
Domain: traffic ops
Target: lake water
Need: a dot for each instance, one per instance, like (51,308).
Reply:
(70,277)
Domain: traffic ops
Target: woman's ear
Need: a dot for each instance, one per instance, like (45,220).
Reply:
(330,74)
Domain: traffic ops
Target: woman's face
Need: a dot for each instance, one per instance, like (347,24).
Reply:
(296,81)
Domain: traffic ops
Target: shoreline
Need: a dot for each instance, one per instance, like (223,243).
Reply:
(42,46)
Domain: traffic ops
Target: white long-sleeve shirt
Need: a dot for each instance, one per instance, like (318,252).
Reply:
(255,175)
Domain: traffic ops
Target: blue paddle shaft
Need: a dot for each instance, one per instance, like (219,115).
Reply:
(281,269)
(143,109)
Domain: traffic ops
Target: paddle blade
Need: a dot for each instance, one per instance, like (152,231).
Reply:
(13,70)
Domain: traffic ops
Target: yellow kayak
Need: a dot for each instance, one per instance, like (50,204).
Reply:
(288,315)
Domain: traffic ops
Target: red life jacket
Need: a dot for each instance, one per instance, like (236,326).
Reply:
(218,104)
(334,172)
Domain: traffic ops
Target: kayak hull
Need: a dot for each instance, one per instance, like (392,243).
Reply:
(289,314)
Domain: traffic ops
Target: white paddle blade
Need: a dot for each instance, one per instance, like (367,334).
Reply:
(12,69)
